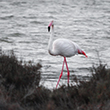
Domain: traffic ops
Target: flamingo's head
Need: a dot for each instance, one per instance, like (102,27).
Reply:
(51,24)
(82,52)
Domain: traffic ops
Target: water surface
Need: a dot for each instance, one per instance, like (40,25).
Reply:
(23,28)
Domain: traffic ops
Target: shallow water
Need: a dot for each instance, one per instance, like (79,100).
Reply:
(23,28)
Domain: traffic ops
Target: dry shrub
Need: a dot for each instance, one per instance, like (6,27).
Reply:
(86,95)
(16,79)
(17,74)
(20,90)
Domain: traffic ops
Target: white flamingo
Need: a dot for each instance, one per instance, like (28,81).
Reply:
(62,47)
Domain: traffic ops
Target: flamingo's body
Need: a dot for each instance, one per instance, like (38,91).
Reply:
(62,47)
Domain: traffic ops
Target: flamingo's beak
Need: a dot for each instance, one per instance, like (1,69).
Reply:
(48,28)
(51,23)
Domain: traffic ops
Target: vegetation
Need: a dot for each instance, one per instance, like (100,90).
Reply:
(20,89)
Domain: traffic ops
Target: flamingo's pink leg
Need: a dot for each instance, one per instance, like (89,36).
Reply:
(68,73)
(60,74)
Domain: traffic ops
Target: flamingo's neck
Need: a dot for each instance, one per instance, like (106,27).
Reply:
(51,41)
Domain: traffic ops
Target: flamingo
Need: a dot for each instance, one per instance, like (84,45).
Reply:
(63,47)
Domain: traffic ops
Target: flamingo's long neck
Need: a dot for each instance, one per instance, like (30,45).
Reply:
(51,41)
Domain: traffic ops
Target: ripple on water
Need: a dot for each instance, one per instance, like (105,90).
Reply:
(23,28)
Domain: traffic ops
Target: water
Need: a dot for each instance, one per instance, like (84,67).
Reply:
(23,28)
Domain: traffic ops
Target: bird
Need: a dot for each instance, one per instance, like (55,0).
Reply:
(63,47)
